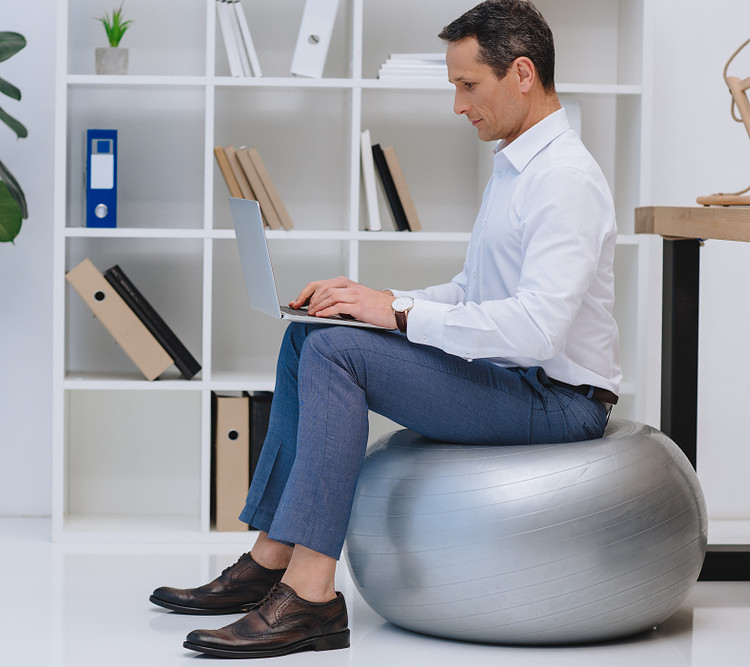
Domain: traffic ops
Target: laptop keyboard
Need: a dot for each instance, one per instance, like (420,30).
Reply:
(303,312)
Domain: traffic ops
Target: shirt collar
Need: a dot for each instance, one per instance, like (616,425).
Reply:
(522,150)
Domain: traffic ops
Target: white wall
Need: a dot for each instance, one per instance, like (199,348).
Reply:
(25,268)
(697,150)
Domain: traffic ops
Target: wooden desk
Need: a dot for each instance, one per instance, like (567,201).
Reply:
(684,228)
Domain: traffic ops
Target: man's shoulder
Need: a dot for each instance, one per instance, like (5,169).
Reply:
(566,153)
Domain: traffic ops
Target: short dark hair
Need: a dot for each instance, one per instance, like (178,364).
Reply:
(506,30)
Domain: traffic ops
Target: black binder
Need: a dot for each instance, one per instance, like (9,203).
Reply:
(184,361)
(260,410)
(389,186)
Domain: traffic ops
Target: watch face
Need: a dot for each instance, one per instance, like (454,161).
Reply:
(402,303)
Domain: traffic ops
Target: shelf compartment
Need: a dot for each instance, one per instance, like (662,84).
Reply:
(170,41)
(609,28)
(245,342)
(442,160)
(274,26)
(161,128)
(295,132)
(169,273)
(134,454)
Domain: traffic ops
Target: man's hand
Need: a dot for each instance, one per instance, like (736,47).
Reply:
(341,296)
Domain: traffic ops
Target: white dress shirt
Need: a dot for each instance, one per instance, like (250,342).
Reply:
(537,287)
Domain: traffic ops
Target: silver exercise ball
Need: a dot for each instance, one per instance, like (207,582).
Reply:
(532,544)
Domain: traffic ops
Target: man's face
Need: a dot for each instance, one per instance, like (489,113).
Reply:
(494,106)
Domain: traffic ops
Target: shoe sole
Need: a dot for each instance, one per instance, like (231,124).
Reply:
(324,643)
(202,611)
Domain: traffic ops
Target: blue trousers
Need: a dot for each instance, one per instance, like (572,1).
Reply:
(327,379)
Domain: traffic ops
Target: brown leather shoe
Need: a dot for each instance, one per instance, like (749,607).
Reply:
(235,591)
(283,623)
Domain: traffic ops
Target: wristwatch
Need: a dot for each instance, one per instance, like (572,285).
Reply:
(401,306)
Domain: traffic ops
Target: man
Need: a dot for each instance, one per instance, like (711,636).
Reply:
(523,340)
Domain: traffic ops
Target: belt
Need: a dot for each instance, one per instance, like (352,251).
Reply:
(603,395)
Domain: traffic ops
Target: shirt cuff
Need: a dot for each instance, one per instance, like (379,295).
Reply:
(424,320)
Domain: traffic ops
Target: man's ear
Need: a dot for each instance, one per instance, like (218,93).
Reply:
(526,73)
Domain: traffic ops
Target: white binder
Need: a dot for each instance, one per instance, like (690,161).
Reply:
(314,38)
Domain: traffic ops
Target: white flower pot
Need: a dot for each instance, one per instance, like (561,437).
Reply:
(111,60)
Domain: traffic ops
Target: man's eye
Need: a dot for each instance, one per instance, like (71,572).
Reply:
(468,86)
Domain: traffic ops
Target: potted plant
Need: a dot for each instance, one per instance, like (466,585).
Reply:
(113,59)
(13,209)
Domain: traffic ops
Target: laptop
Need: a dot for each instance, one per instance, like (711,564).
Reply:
(256,267)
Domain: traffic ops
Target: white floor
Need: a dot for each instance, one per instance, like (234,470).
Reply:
(77,605)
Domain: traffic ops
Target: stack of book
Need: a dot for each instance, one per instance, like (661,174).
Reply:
(385,162)
(238,42)
(246,177)
(414,65)
(239,425)
(131,320)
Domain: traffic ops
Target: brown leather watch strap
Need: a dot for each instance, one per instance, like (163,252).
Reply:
(401,320)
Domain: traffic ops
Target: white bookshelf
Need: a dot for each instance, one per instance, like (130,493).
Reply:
(131,458)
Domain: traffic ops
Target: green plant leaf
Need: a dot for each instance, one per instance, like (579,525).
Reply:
(10,44)
(115,27)
(15,189)
(14,124)
(10,215)
(7,88)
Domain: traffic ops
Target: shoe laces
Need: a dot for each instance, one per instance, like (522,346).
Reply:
(240,560)
(268,597)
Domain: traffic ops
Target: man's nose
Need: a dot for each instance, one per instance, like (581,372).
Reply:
(459,104)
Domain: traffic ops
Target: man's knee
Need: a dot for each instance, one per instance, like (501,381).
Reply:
(339,345)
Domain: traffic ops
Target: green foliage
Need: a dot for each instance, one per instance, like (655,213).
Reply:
(10,215)
(13,208)
(114,26)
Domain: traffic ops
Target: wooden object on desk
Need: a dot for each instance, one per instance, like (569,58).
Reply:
(694,222)
(724,200)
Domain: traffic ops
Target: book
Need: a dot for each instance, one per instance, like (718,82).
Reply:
(273,193)
(230,460)
(266,205)
(245,188)
(247,39)
(404,195)
(413,71)
(185,362)
(130,333)
(399,65)
(389,187)
(237,36)
(260,411)
(227,33)
(226,171)
(437,57)
(368,179)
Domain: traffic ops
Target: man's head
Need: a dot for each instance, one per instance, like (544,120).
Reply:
(500,57)
(506,30)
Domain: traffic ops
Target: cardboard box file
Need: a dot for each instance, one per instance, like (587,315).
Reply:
(117,317)
(231,460)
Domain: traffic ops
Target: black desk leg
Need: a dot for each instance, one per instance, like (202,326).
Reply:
(679,377)
(679,364)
